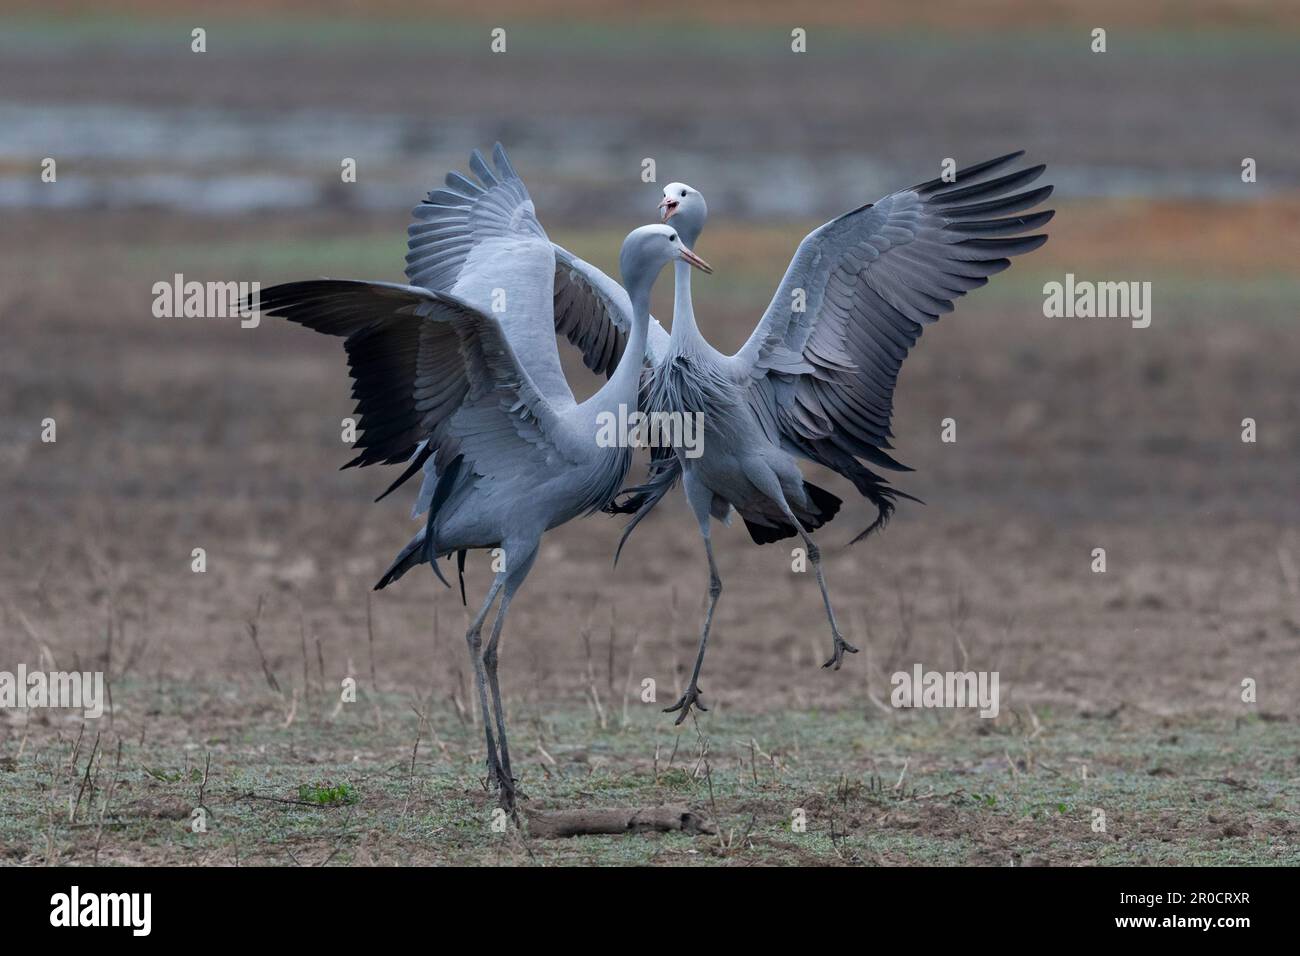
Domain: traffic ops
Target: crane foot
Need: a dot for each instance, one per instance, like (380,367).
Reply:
(838,651)
(689,699)
(506,794)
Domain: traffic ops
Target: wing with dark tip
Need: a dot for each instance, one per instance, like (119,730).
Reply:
(431,374)
(824,360)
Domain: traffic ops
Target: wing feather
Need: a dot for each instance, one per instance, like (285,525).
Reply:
(431,374)
(871,280)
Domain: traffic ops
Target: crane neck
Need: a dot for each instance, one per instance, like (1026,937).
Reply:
(685,332)
(623,387)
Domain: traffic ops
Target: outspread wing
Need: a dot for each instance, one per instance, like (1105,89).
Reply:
(430,373)
(481,242)
(824,359)
(452,222)
(595,314)
(493,209)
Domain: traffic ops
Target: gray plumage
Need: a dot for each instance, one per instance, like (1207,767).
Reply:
(455,228)
(816,377)
(473,396)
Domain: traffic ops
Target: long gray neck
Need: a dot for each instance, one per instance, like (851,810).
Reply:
(685,332)
(623,387)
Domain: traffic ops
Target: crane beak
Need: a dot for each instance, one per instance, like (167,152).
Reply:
(693,259)
(667,208)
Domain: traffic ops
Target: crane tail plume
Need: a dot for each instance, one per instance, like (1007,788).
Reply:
(421,548)
(664,474)
(636,520)
(415,552)
(417,462)
(876,490)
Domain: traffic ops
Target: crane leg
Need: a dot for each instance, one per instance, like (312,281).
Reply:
(473,637)
(839,646)
(505,777)
(518,565)
(692,695)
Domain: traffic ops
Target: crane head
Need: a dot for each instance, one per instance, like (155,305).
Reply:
(686,208)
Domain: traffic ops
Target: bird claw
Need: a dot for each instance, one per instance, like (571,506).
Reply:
(506,799)
(689,699)
(837,654)
(506,792)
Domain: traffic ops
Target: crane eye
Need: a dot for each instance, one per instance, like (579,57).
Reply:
(683,193)
(673,237)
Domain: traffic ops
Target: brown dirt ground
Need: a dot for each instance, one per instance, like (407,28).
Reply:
(182,434)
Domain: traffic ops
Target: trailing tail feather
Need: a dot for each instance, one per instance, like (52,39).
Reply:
(420,548)
(824,507)
(413,554)
(871,486)
(878,491)
(417,462)
(641,499)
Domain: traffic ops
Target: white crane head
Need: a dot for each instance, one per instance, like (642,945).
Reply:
(686,208)
(648,249)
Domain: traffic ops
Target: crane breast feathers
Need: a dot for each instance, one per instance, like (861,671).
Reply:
(466,213)
(869,282)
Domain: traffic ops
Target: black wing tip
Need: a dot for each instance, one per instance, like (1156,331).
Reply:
(1030,243)
(958,192)
(966,173)
(993,163)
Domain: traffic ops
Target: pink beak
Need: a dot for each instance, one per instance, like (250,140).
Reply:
(668,207)
(696,261)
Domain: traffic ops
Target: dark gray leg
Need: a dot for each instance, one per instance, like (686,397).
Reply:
(506,777)
(700,499)
(518,563)
(839,646)
(474,640)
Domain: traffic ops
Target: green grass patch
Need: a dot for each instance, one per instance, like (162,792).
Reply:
(869,788)
(327,796)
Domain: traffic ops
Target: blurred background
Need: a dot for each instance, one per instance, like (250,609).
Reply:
(175,434)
